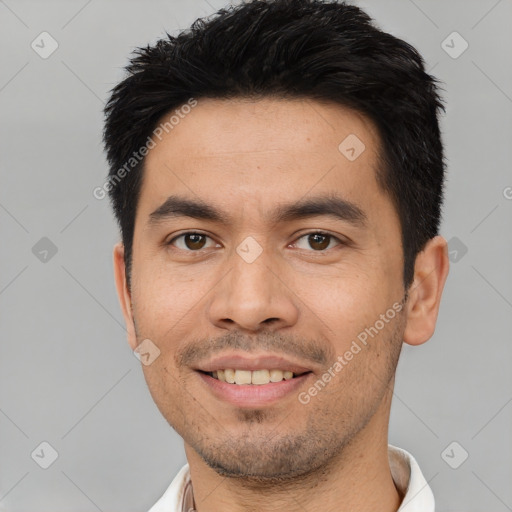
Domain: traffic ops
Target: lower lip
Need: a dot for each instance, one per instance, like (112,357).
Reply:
(253,395)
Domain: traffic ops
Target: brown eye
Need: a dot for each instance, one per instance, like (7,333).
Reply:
(190,241)
(194,241)
(319,241)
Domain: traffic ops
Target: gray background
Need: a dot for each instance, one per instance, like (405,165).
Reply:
(67,374)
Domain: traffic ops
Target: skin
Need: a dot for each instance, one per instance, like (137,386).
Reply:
(245,157)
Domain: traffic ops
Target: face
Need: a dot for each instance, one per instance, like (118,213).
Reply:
(243,281)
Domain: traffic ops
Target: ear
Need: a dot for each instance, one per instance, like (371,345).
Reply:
(123,294)
(430,273)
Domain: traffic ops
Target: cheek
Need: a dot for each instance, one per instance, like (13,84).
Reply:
(345,301)
(350,308)
(164,386)
(164,299)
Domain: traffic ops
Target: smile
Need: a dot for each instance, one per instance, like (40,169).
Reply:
(257,377)
(253,389)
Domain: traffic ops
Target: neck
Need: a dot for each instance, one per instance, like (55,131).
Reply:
(357,479)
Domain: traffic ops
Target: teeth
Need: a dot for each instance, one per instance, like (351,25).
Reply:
(257,377)
(229,375)
(260,377)
(242,376)
(276,375)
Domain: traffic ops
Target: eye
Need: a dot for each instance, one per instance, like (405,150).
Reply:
(192,241)
(319,240)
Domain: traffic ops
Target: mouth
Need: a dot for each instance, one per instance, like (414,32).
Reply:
(253,377)
(253,380)
(258,388)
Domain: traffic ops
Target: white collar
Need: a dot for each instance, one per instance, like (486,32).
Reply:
(410,481)
(405,471)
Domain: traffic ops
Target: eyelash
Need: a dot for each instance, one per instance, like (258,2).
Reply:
(323,233)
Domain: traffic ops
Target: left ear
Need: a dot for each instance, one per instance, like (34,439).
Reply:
(430,273)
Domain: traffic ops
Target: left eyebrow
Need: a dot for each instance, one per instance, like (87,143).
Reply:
(328,206)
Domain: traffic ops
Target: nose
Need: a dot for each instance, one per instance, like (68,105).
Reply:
(253,296)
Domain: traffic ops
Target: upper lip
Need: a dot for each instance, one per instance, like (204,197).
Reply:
(254,362)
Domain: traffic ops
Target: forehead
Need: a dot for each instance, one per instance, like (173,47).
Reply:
(263,152)
(218,126)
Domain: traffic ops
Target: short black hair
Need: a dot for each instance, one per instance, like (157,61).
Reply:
(289,49)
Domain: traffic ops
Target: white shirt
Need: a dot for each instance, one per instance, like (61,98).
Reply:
(405,472)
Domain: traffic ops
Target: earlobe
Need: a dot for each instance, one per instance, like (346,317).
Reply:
(124,294)
(430,273)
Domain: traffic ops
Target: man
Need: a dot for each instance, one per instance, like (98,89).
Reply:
(277,175)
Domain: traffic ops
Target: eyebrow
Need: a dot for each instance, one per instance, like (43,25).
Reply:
(328,206)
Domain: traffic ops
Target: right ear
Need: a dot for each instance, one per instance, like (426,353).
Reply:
(123,293)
